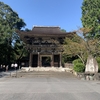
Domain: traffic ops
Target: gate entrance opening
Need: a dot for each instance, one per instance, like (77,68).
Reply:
(46,61)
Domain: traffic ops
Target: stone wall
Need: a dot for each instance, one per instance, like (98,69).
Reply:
(68,65)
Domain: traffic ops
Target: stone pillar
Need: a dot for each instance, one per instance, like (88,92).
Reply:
(30,60)
(60,59)
(52,63)
(38,59)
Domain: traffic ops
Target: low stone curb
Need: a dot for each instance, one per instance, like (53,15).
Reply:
(87,76)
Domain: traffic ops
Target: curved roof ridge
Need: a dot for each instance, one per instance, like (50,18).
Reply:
(44,26)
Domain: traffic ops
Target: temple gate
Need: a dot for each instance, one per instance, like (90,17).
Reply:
(45,46)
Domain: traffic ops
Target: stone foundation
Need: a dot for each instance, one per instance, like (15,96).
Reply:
(60,69)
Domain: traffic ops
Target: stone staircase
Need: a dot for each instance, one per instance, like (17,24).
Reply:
(55,69)
(39,74)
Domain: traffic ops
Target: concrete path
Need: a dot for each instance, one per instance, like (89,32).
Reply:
(8,73)
(48,86)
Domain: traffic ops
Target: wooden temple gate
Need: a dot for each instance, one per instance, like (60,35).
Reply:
(44,45)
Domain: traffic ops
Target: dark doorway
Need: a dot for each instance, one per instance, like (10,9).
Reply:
(46,61)
(35,60)
(56,60)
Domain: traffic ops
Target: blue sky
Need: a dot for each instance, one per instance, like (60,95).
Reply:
(63,13)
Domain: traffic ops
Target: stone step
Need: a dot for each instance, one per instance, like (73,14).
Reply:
(45,74)
(55,69)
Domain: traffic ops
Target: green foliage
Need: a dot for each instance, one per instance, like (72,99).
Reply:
(91,26)
(91,17)
(98,61)
(78,65)
(68,58)
(75,46)
(9,23)
(77,61)
(63,30)
(27,30)
(10,18)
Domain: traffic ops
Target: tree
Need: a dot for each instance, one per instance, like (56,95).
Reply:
(92,44)
(91,17)
(9,22)
(75,46)
(91,25)
(63,30)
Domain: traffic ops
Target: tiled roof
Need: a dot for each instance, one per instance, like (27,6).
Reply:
(46,30)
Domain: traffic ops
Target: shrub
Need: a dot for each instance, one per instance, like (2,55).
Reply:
(98,61)
(77,61)
(79,67)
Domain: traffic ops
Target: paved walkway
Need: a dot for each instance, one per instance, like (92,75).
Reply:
(7,74)
(48,86)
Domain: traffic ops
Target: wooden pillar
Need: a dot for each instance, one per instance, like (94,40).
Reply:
(38,59)
(30,60)
(60,59)
(52,63)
